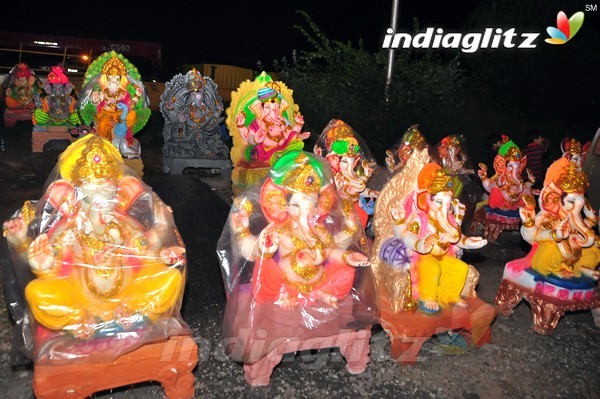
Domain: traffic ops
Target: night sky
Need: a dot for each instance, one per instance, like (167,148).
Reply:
(560,81)
(227,32)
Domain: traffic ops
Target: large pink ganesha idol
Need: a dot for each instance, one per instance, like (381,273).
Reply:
(106,257)
(295,273)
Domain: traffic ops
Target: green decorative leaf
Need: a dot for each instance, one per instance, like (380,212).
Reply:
(141,118)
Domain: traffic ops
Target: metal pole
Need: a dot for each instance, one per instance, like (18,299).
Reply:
(388,78)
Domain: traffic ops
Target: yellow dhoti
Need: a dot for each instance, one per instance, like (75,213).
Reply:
(441,280)
(107,119)
(58,303)
(549,260)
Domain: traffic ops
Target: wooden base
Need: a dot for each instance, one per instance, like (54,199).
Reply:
(12,116)
(175,166)
(169,362)
(354,346)
(494,224)
(258,335)
(43,134)
(546,310)
(409,331)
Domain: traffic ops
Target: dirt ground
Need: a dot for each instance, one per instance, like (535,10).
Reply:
(519,363)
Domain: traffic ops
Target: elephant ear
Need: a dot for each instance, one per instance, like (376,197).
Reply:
(421,203)
(499,164)
(61,195)
(129,190)
(48,88)
(550,198)
(273,201)
(522,165)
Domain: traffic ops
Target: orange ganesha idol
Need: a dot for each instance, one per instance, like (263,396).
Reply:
(106,257)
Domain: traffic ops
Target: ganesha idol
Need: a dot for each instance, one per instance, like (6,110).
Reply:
(559,273)
(114,99)
(20,86)
(352,165)
(57,106)
(264,123)
(192,109)
(397,156)
(55,116)
(506,190)
(451,154)
(295,273)
(574,151)
(102,264)
(424,286)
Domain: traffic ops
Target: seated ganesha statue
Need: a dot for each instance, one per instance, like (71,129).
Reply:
(429,225)
(264,123)
(506,190)
(397,156)
(20,86)
(57,106)
(564,227)
(301,256)
(295,273)
(560,272)
(114,99)
(106,257)
(192,109)
(352,165)
(424,287)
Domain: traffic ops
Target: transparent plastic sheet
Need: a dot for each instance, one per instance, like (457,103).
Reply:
(294,261)
(97,259)
(398,154)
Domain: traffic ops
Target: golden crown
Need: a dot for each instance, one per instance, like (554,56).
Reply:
(195,81)
(574,147)
(573,180)
(513,154)
(440,182)
(95,164)
(303,179)
(114,67)
(338,131)
(450,141)
(416,139)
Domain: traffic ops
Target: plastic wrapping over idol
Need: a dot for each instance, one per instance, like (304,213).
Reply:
(293,260)
(98,258)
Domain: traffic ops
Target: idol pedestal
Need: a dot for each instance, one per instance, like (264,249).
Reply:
(549,297)
(260,334)
(175,166)
(170,362)
(43,134)
(12,116)
(408,332)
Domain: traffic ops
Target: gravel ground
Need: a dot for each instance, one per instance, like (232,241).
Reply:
(518,364)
